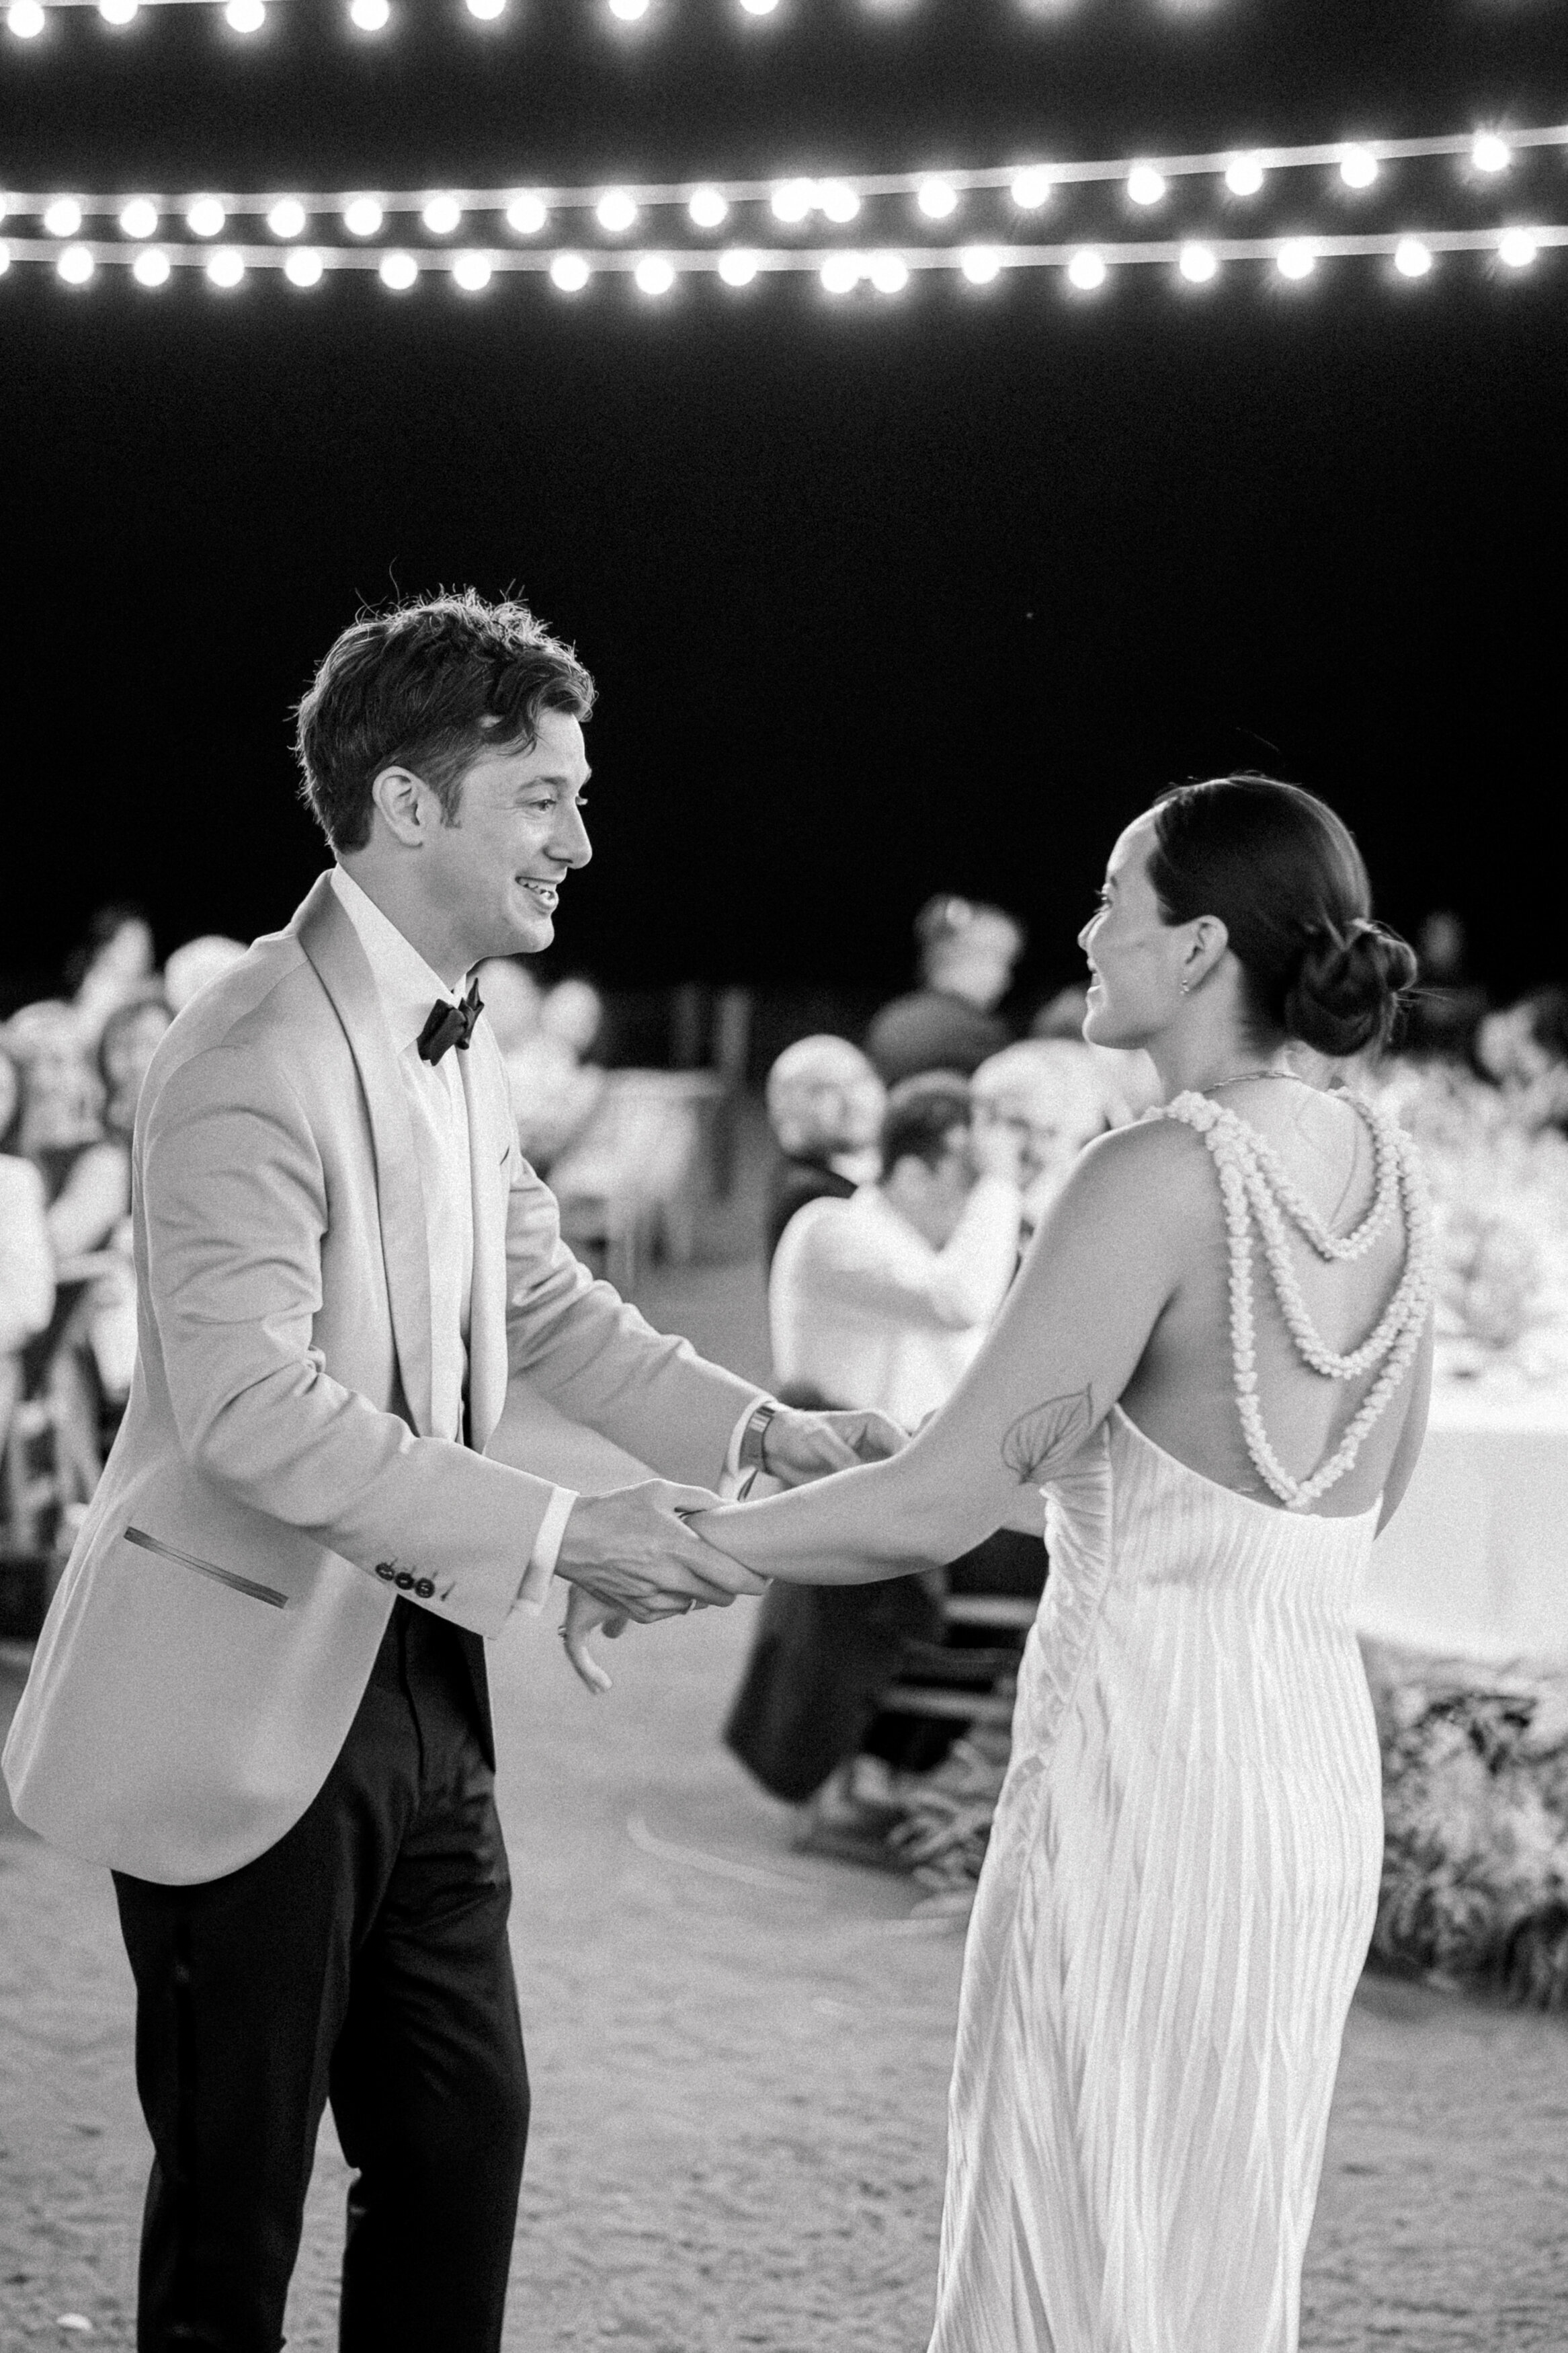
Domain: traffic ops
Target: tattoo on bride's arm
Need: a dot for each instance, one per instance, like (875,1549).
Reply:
(1047,1435)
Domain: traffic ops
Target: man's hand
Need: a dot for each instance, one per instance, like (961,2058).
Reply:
(633,1551)
(801,1446)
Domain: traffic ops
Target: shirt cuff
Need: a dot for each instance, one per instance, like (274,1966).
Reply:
(533,1592)
(733,1481)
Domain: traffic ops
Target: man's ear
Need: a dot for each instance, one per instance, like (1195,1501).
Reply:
(405,803)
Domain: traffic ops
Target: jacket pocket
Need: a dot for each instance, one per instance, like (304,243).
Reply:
(267,1593)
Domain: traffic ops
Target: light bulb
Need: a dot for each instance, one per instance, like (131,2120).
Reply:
(1489,152)
(26,19)
(569,271)
(397,271)
(1031,189)
(4,257)
(1197,264)
(615,211)
(302,266)
(224,267)
(708,208)
(370,16)
(204,217)
(1358,168)
(287,217)
(793,199)
(841,272)
(151,268)
(471,272)
(486,10)
(838,201)
(1087,270)
(362,216)
(526,214)
(888,273)
(62,218)
(1244,175)
(653,274)
(629,11)
(1411,258)
(118,12)
(246,15)
(442,215)
(75,265)
(139,218)
(936,198)
(1295,258)
(1517,248)
(759,7)
(1144,185)
(738,267)
(979,264)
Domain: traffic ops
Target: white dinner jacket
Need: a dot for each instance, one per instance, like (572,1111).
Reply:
(276,1481)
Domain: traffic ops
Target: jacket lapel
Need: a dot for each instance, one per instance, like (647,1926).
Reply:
(329,939)
(490,1145)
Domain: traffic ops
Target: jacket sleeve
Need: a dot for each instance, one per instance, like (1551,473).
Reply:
(234,1205)
(579,1344)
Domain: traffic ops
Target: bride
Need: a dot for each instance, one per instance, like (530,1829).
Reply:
(1216,1365)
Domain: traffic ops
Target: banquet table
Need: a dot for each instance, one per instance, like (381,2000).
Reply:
(1474,1565)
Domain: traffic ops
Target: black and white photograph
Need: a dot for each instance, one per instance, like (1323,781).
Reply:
(784,1177)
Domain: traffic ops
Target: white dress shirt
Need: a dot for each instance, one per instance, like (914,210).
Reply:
(438,1113)
(866,1311)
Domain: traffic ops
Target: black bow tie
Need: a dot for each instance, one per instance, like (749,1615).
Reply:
(450,1025)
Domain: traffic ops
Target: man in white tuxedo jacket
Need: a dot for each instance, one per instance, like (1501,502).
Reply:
(260,1695)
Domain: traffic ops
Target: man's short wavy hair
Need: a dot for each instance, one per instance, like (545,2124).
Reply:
(428,686)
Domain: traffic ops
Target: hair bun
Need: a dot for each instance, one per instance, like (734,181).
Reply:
(1348,986)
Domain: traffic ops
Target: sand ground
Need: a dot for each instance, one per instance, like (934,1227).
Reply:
(739,2059)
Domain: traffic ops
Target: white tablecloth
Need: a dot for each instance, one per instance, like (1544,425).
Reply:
(1474,1561)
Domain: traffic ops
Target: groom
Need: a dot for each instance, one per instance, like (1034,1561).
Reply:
(260,1694)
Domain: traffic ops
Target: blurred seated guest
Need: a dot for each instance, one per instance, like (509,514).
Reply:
(26,1258)
(114,961)
(62,1096)
(1441,1019)
(967,954)
(1525,1051)
(543,1038)
(195,963)
(884,1298)
(131,1038)
(824,1107)
(1055,1096)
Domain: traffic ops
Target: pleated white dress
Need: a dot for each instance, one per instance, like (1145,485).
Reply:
(1173,1915)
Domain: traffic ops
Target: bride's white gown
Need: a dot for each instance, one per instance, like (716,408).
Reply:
(1172,1918)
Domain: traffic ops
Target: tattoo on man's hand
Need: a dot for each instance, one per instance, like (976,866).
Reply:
(1047,1434)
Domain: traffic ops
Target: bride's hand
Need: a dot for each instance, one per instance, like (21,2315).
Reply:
(584,1615)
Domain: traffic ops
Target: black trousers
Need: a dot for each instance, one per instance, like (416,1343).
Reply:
(364,1958)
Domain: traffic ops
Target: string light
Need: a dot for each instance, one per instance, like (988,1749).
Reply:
(1296,259)
(63,216)
(397,271)
(487,10)
(653,275)
(708,208)
(75,265)
(370,16)
(117,13)
(442,215)
(151,268)
(246,15)
(471,272)
(25,18)
(287,217)
(1412,259)
(1517,248)
(738,267)
(889,272)
(362,216)
(759,7)
(140,218)
(629,11)
(224,267)
(1145,186)
(1087,270)
(302,267)
(527,213)
(838,201)
(1244,175)
(1031,189)
(841,273)
(204,217)
(569,271)
(793,199)
(979,264)
(616,213)
(1490,153)
(1197,264)
(937,198)
(1358,168)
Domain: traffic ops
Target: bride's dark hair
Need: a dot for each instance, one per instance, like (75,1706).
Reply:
(1284,876)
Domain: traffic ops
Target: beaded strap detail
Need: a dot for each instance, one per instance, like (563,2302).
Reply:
(1255,1185)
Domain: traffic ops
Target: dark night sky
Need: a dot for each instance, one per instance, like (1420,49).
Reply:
(917,594)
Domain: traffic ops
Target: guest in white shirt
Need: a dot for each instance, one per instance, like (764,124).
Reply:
(885,1298)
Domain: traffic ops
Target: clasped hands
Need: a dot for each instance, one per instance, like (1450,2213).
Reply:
(631,1554)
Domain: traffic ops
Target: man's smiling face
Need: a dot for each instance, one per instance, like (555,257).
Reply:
(519,832)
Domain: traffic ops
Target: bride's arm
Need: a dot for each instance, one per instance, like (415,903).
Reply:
(1067,1341)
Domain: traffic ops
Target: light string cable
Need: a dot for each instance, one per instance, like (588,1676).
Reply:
(158,235)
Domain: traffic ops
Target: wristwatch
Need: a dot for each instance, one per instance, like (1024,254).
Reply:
(755,1437)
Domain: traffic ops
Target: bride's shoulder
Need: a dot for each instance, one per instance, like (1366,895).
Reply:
(1158,1166)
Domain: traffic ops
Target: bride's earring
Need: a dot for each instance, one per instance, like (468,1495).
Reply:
(1186,986)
